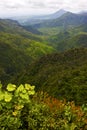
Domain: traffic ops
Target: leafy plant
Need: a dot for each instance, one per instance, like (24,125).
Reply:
(12,102)
(23,109)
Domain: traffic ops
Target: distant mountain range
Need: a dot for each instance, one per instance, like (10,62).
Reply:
(60,18)
(31,20)
(66,20)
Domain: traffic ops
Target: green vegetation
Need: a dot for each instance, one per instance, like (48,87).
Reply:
(12,103)
(13,27)
(51,31)
(27,56)
(66,40)
(16,53)
(18,50)
(32,30)
(62,75)
(22,109)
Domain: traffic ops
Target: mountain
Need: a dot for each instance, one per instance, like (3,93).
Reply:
(12,26)
(40,18)
(57,14)
(18,48)
(66,20)
(62,75)
(51,16)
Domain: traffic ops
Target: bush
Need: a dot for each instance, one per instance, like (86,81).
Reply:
(23,109)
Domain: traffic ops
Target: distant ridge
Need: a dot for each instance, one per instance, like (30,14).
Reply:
(40,18)
(12,26)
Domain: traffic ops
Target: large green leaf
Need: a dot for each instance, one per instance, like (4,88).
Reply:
(7,97)
(11,87)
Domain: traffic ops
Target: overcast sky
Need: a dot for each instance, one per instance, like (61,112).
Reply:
(25,7)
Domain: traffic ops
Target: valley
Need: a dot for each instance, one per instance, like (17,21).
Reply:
(22,46)
(50,52)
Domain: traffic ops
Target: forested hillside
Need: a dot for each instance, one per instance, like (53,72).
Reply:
(66,40)
(18,48)
(62,75)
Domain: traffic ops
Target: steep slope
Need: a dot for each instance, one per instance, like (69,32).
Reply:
(16,53)
(79,40)
(11,26)
(18,48)
(68,39)
(59,41)
(67,42)
(57,14)
(62,75)
(32,30)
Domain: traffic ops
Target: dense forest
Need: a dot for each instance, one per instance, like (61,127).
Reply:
(51,55)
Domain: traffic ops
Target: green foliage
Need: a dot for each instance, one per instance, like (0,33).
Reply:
(51,31)
(62,115)
(22,109)
(12,102)
(18,48)
(62,75)
(63,39)
(13,27)
(11,87)
(68,39)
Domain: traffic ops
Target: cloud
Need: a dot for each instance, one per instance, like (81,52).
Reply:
(7,4)
(43,4)
(22,4)
(40,6)
(36,5)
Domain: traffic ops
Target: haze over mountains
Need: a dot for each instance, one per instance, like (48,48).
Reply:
(46,20)
(52,52)
(40,18)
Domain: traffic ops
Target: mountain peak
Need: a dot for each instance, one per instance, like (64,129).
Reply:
(61,10)
(58,13)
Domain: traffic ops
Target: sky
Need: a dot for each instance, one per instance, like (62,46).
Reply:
(31,7)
